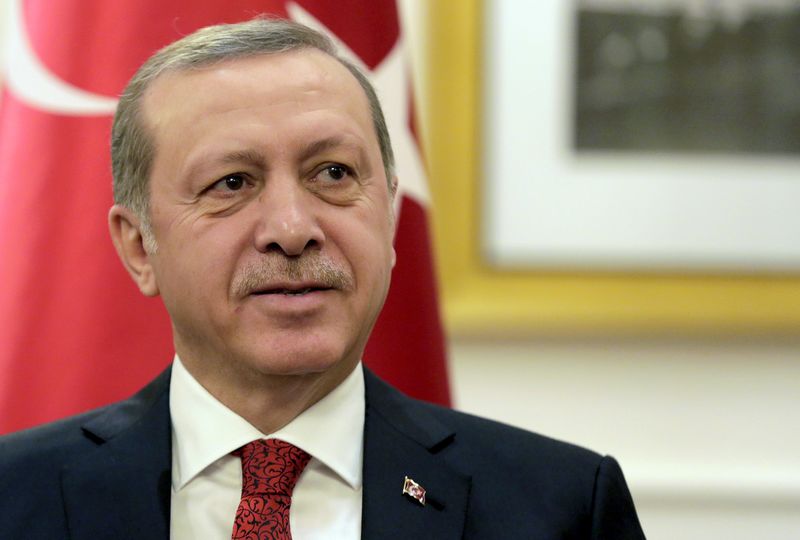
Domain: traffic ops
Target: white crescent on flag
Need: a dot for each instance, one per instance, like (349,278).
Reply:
(392,86)
(33,84)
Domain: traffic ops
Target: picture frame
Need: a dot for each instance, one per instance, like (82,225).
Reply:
(480,298)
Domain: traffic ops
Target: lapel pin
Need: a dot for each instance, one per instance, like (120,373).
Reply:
(414,490)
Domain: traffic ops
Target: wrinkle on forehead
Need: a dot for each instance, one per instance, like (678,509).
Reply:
(303,75)
(253,91)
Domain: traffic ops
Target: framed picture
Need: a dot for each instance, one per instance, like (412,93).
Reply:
(544,224)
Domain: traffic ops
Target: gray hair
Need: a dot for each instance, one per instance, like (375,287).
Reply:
(132,146)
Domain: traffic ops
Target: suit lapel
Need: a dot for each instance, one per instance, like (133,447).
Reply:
(122,489)
(402,439)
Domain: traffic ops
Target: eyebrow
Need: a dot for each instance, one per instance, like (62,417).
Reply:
(257,159)
(251,157)
(328,143)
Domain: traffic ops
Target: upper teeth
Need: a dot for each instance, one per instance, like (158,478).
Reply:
(301,291)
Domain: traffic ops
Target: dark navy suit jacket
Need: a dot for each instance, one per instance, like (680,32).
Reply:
(106,475)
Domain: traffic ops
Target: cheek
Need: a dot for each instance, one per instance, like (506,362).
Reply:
(372,257)
(365,236)
(196,263)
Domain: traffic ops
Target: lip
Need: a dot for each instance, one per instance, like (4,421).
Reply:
(294,299)
(290,288)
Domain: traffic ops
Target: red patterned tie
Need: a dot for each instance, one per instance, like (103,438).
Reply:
(270,469)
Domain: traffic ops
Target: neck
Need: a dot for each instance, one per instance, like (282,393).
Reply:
(267,401)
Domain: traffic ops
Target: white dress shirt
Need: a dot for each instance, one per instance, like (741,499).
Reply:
(207,480)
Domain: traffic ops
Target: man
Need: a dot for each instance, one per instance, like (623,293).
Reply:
(254,188)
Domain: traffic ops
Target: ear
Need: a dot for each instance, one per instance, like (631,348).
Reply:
(394,202)
(395,212)
(126,233)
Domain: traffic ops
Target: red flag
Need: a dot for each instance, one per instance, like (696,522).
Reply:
(76,333)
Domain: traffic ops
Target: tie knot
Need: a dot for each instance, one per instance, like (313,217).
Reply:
(271,466)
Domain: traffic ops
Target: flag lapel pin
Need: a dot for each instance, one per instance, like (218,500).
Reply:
(414,490)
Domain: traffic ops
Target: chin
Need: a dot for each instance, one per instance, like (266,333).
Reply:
(299,360)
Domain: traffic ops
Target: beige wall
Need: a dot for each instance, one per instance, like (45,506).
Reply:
(3,22)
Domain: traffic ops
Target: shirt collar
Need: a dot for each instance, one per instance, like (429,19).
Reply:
(204,430)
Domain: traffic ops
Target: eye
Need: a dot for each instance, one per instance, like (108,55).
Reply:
(334,173)
(231,182)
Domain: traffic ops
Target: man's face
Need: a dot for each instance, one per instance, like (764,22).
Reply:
(272,214)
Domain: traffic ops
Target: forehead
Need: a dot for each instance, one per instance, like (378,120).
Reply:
(294,84)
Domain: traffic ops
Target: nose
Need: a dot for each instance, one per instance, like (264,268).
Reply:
(287,221)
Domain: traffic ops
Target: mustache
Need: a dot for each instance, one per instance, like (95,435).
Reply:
(312,267)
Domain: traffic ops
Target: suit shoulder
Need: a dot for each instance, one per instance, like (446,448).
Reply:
(473,437)
(50,444)
(566,490)
(31,462)
(506,442)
